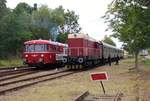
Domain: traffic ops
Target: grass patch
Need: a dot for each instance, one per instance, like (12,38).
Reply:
(67,88)
(128,61)
(11,62)
(146,62)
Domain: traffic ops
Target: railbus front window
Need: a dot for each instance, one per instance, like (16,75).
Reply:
(30,48)
(36,48)
(40,48)
(25,48)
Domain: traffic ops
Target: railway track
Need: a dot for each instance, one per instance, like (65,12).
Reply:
(11,68)
(106,97)
(81,96)
(15,71)
(17,75)
(6,86)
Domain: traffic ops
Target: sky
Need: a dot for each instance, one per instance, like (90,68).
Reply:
(89,11)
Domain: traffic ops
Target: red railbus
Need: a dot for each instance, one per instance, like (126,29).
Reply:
(41,53)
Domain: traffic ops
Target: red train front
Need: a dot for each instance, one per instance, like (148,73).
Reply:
(44,53)
(82,50)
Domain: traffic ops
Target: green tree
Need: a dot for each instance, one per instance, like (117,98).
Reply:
(15,30)
(109,41)
(142,3)
(62,38)
(42,23)
(71,23)
(26,22)
(3,8)
(130,23)
(3,13)
(44,20)
(57,15)
(23,7)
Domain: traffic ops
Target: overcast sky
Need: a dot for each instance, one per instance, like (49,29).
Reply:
(89,11)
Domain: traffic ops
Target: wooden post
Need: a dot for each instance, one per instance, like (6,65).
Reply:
(102,86)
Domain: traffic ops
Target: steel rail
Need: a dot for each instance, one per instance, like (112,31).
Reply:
(18,75)
(13,67)
(81,96)
(35,82)
(11,72)
(30,78)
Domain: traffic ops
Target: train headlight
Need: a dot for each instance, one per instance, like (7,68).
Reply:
(40,60)
(26,55)
(42,55)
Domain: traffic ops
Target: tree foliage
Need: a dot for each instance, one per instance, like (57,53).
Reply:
(44,20)
(109,40)
(71,24)
(14,31)
(129,20)
(3,8)
(62,38)
(41,23)
(142,3)
(25,23)
(57,15)
(23,7)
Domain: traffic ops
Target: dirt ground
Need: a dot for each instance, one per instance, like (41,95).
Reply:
(134,85)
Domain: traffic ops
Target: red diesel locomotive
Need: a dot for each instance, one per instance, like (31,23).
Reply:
(84,51)
(44,53)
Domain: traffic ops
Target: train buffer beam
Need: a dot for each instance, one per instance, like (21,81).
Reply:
(73,67)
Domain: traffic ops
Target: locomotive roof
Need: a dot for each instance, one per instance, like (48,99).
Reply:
(44,42)
(86,36)
(81,35)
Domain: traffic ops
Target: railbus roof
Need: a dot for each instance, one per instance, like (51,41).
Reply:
(44,42)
